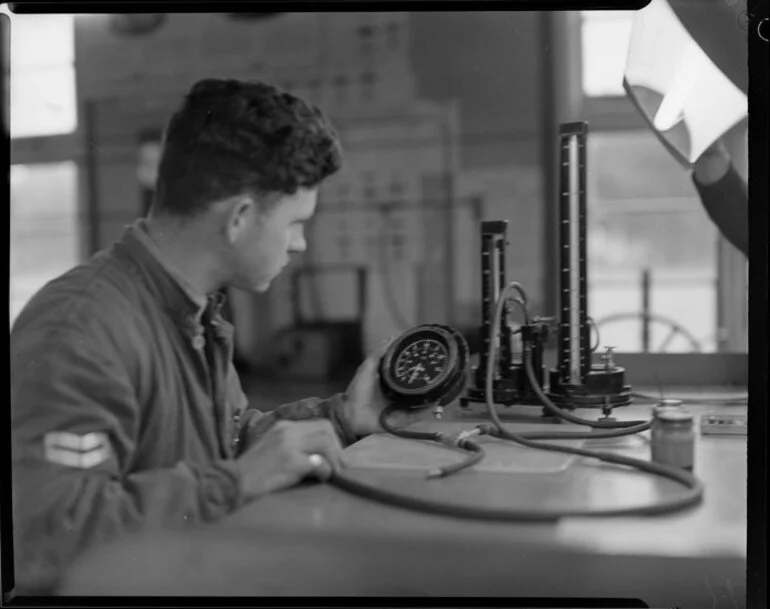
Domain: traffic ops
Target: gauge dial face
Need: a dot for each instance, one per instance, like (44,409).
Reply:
(421,363)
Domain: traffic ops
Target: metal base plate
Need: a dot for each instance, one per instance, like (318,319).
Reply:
(584,400)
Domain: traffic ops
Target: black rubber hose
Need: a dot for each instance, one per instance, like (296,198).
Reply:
(476,453)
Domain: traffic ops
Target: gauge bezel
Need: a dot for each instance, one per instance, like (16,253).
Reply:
(408,339)
(442,390)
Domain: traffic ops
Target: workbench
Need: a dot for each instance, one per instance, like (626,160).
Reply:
(316,540)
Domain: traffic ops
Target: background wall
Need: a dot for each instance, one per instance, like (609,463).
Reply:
(439,117)
(447,118)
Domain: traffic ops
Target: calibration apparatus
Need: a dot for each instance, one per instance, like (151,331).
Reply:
(429,365)
(575,381)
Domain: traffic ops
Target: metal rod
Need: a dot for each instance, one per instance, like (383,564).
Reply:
(503,332)
(646,310)
(585,329)
(450,222)
(575,372)
(549,151)
(574,333)
(296,297)
(362,274)
(492,280)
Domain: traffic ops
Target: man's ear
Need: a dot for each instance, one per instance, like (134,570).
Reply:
(239,214)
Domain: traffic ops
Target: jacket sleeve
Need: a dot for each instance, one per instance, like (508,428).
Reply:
(255,423)
(75,421)
(727,204)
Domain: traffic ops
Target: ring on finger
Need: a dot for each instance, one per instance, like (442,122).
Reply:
(316,460)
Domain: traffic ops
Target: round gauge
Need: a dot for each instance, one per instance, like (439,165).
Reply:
(421,364)
(426,365)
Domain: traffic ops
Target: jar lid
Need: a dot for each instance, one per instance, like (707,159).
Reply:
(657,408)
(670,402)
(678,415)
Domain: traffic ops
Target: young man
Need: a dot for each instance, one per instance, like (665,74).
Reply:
(127,413)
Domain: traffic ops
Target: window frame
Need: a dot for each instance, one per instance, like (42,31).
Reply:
(56,148)
(8,69)
(616,113)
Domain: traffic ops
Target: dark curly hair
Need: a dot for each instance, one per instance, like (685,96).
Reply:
(232,137)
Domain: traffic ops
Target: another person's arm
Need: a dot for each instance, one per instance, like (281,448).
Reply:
(724,195)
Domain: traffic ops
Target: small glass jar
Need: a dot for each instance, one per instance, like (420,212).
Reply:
(673,438)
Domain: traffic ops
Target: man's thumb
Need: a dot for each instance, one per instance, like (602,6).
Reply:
(384,346)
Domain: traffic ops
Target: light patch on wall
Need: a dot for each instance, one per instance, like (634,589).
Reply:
(605,37)
(147,168)
(42,78)
(45,228)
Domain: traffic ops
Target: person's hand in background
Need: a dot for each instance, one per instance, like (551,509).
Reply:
(712,165)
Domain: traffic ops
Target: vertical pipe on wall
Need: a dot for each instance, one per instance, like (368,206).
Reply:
(549,150)
(449,251)
(646,310)
(560,102)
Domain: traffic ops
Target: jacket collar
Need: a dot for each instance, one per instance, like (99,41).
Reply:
(165,282)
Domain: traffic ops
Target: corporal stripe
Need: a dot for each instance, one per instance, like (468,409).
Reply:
(72,450)
(71,441)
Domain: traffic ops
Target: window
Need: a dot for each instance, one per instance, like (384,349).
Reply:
(654,278)
(605,36)
(44,227)
(648,234)
(42,75)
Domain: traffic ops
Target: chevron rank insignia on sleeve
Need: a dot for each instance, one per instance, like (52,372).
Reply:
(73,450)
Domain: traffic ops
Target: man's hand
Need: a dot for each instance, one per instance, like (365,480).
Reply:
(281,458)
(365,400)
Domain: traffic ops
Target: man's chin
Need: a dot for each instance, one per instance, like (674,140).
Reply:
(258,287)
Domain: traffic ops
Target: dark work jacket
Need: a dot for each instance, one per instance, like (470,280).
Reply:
(726,201)
(126,410)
